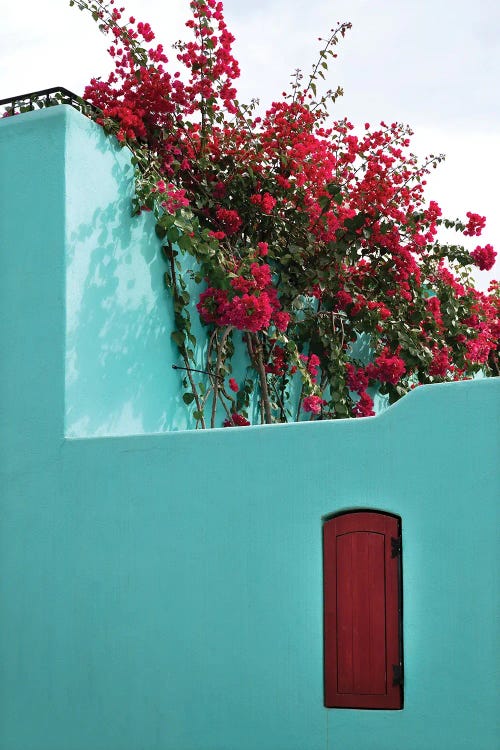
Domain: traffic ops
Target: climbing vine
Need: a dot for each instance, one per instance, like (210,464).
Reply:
(299,235)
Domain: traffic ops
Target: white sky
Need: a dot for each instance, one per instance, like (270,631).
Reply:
(434,64)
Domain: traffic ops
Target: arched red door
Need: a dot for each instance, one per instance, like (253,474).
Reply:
(362,611)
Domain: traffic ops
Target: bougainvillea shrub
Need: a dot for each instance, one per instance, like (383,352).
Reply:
(308,234)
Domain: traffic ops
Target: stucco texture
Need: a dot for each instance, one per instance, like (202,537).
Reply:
(162,590)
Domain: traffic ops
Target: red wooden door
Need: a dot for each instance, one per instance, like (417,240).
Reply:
(361,559)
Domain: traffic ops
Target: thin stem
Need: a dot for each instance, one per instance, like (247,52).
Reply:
(299,405)
(280,401)
(331,40)
(257,350)
(182,349)
(220,349)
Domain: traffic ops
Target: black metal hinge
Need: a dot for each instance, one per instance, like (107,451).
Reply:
(397,674)
(395,546)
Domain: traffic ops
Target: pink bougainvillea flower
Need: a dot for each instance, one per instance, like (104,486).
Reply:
(440,362)
(237,420)
(387,368)
(313,404)
(281,320)
(484,257)
(364,407)
(475,225)
(229,220)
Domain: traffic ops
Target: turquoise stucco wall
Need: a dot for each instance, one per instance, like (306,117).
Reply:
(119,355)
(164,591)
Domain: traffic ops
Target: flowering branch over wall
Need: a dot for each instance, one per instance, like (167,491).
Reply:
(307,233)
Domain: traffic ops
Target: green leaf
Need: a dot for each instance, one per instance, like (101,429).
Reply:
(324,201)
(198,415)
(184,242)
(333,188)
(178,338)
(173,234)
(188,398)
(167,221)
(355,223)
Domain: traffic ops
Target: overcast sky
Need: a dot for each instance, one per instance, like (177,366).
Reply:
(434,64)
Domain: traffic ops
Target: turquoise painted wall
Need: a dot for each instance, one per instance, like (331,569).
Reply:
(119,355)
(164,591)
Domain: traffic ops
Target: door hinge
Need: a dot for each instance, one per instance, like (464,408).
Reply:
(395,546)
(397,674)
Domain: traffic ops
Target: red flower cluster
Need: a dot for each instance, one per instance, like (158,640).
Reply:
(356,378)
(312,362)
(143,97)
(261,275)
(313,404)
(440,364)
(229,220)
(266,202)
(175,197)
(237,420)
(382,309)
(209,58)
(387,368)
(434,307)
(484,257)
(144,30)
(281,320)
(248,312)
(277,365)
(253,306)
(364,407)
(475,225)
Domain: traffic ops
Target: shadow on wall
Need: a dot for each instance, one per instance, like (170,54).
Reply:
(119,378)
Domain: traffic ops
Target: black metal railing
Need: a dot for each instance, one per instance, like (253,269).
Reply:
(46,98)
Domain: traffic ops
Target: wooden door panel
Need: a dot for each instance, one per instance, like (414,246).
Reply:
(362,611)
